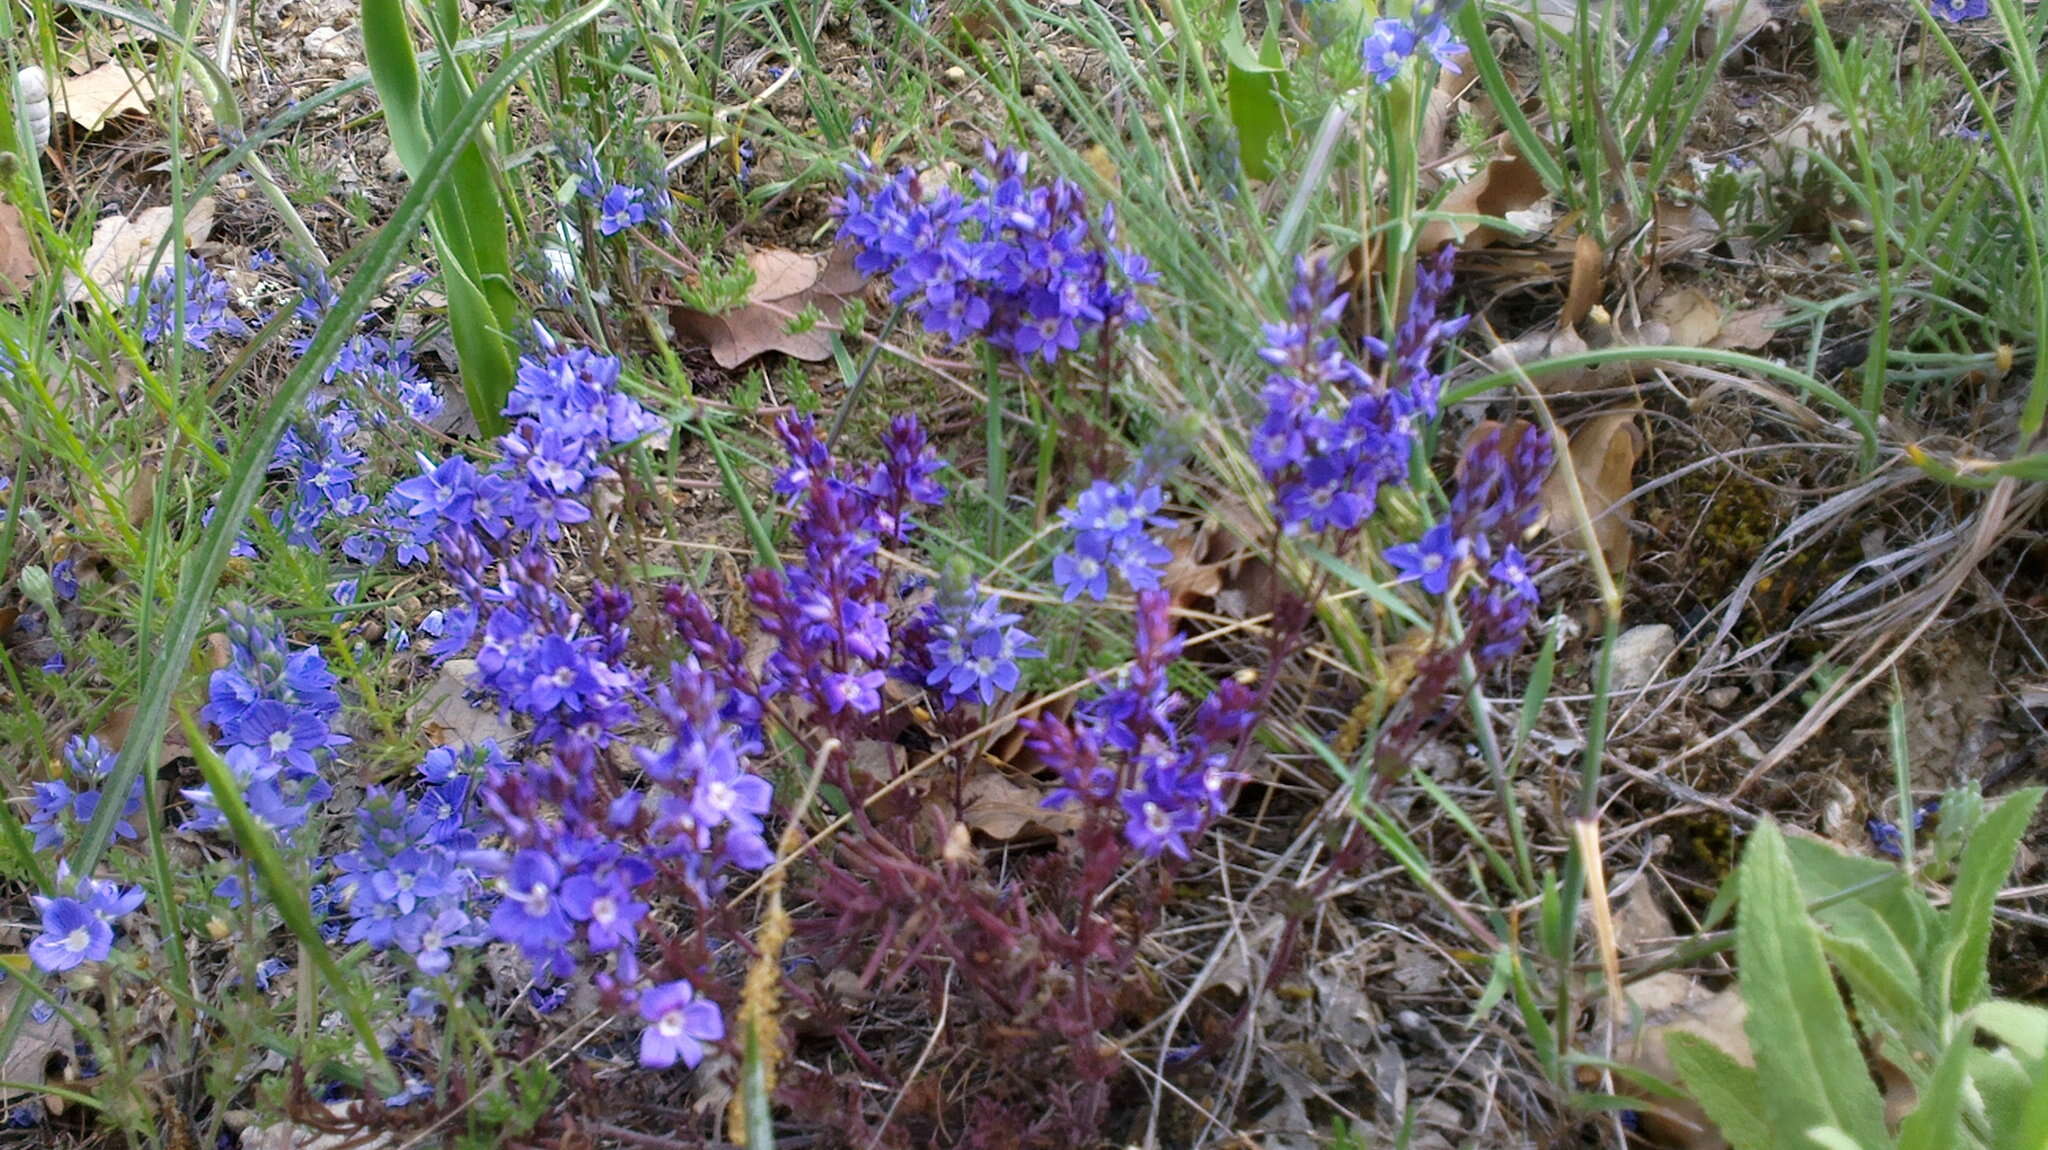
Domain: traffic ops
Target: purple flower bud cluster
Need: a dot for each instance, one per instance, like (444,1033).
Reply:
(1025,266)
(407,884)
(1125,756)
(1498,500)
(206,311)
(63,806)
(1392,43)
(1109,527)
(79,927)
(1335,433)
(830,611)
(275,709)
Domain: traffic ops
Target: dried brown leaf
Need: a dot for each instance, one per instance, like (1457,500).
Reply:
(1690,318)
(1682,229)
(1602,456)
(1001,809)
(122,246)
(101,94)
(1190,577)
(1750,329)
(785,283)
(1588,262)
(1508,184)
(17,259)
(27,1062)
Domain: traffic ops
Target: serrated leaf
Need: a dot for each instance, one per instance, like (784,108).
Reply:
(1726,1089)
(1809,1065)
(1987,859)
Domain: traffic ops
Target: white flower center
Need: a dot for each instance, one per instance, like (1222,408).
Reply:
(604,910)
(671,1024)
(280,741)
(78,940)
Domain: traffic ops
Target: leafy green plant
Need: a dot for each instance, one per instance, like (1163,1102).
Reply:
(1917,983)
(469,220)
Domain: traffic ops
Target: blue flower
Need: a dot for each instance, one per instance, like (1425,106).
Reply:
(1109,524)
(531,915)
(72,935)
(1386,48)
(975,648)
(1434,559)
(622,207)
(1958,11)
(205,307)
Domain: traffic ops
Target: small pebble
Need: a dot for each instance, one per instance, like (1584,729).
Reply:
(1721,698)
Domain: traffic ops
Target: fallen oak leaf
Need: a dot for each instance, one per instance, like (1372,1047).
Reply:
(27,1061)
(1508,184)
(107,91)
(1602,457)
(1750,329)
(122,245)
(1003,810)
(785,283)
(17,259)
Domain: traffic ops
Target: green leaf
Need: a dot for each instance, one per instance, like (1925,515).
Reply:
(1884,984)
(1726,1089)
(1987,859)
(1936,1122)
(1831,1138)
(1256,87)
(1809,1065)
(2022,1027)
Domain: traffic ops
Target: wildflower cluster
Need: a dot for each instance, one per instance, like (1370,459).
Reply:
(1025,266)
(64,805)
(407,883)
(275,711)
(206,312)
(620,206)
(79,927)
(586,839)
(1335,433)
(1109,525)
(1392,43)
(1495,506)
(1124,754)
(830,612)
(974,646)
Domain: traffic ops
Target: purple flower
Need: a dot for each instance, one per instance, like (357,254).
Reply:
(606,906)
(531,915)
(72,935)
(428,939)
(679,1023)
(1957,11)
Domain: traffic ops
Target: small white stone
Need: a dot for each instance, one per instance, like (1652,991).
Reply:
(328,43)
(1639,653)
